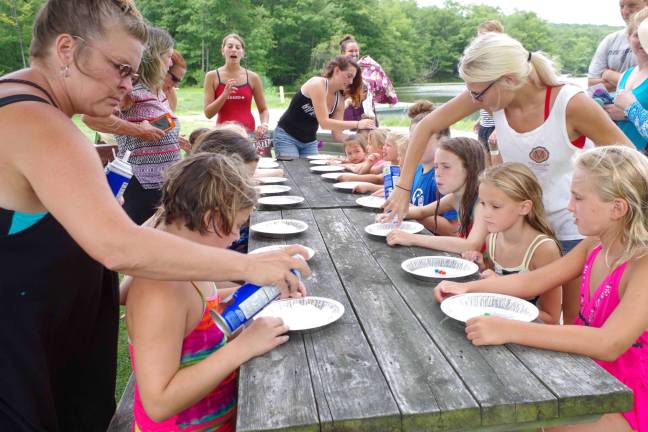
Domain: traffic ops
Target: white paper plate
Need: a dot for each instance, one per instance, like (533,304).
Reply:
(348,186)
(272,189)
(267,159)
(327,168)
(267,164)
(439,267)
(465,306)
(279,227)
(271,180)
(332,177)
(382,229)
(319,161)
(371,201)
(304,313)
(320,156)
(311,252)
(281,200)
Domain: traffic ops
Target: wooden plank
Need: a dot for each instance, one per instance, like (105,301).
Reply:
(318,192)
(348,388)
(429,393)
(122,421)
(582,386)
(295,190)
(345,372)
(266,382)
(505,389)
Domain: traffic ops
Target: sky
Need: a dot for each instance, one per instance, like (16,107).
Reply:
(556,11)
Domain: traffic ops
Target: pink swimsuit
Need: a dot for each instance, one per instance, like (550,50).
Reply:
(631,368)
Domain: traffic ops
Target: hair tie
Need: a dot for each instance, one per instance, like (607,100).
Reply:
(529,58)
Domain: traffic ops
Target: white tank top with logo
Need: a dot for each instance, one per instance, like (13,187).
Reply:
(548,152)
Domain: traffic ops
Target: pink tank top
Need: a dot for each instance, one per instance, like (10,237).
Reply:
(238,106)
(217,410)
(631,368)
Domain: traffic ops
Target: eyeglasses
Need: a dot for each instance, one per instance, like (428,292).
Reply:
(124,70)
(478,96)
(174,78)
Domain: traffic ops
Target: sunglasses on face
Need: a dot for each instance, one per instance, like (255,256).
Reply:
(479,96)
(124,70)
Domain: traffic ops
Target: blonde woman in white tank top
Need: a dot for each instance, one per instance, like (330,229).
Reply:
(506,79)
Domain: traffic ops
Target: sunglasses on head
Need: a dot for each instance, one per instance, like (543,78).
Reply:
(174,78)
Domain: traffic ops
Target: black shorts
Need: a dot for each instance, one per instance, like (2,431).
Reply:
(139,203)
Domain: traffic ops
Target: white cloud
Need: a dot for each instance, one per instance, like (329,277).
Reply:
(556,11)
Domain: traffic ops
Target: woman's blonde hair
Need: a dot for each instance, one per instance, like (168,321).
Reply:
(377,137)
(206,184)
(519,183)
(636,19)
(491,56)
(622,172)
(490,26)
(152,72)
(88,19)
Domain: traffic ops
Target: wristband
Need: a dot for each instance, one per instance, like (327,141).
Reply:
(402,188)
(494,152)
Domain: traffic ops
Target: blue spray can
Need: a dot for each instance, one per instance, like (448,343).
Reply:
(247,301)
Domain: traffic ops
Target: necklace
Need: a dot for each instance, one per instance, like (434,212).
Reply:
(605,258)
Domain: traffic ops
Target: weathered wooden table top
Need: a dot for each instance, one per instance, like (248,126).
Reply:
(394,362)
(317,192)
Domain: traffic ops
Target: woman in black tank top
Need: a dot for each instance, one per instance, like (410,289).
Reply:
(319,103)
(58,290)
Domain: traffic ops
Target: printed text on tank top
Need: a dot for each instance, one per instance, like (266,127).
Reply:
(310,109)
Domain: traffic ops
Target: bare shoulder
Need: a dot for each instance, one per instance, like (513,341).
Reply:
(546,252)
(156,295)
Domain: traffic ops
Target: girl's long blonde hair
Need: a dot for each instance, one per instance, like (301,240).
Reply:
(519,183)
(377,137)
(401,141)
(490,56)
(622,172)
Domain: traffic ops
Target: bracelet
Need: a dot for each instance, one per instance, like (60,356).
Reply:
(402,188)
(358,125)
(494,152)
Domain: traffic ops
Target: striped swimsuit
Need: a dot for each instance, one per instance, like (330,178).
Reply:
(217,410)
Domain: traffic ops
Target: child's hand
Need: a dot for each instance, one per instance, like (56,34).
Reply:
(487,330)
(488,273)
(301,292)
(476,257)
(362,188)
(379,193)
(447,289)
(373,157)
(400,237)
(262,335)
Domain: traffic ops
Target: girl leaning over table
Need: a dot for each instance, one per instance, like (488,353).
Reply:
(608,201)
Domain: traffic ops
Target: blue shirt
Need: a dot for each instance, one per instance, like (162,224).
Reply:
(628,127)
(424,190)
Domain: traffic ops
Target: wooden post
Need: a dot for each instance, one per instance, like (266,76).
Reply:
(282,99)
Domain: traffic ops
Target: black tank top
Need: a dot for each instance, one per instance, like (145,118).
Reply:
(299,120)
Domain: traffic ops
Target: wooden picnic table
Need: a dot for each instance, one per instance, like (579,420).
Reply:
(317,192)
(394,361)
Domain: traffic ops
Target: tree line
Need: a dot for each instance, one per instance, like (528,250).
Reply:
(288,41)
